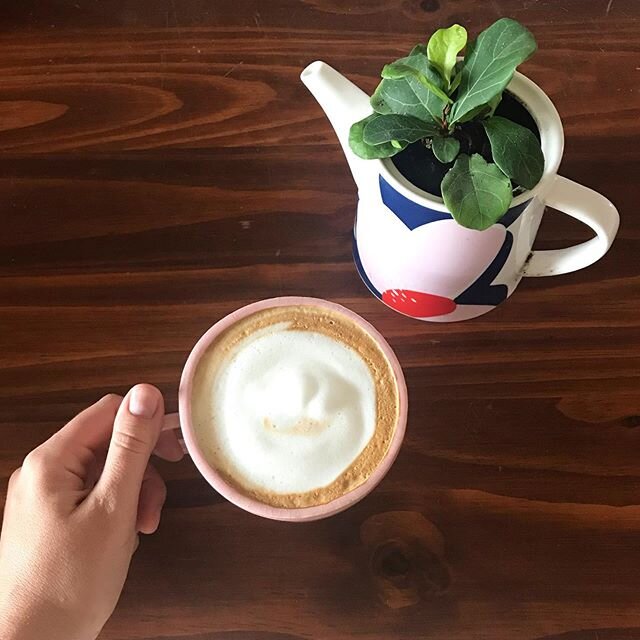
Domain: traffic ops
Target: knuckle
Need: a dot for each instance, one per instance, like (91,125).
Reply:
(13,478)
(126,439)
(107,505)
(35,464)
(107,512)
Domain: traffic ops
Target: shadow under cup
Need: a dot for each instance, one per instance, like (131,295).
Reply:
(230,492)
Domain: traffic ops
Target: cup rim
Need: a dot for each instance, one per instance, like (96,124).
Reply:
(549,125)
(235,496)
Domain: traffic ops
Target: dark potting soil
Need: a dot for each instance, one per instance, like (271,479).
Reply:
(420,167)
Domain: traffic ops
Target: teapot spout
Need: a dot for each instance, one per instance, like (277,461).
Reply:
(343,103)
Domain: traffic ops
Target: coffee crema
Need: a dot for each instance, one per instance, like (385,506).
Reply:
(294,406)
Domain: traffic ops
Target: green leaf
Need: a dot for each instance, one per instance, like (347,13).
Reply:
(490,63)
(515,150)
(493,104)
(445,148)
(457,76)
(370,151)
(476,113)
(443,47)
(482,111)
(399,71)
(455,83)
(379,104)
(408,96)
(385,128)
(477,193)
(419,49)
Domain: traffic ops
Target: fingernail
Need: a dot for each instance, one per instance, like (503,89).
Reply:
(143,401)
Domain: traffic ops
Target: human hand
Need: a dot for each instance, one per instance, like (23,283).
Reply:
(73,514)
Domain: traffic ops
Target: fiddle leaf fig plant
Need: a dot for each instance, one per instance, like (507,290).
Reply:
(432,98)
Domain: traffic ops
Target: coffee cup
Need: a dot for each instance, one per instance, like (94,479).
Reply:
(319,353)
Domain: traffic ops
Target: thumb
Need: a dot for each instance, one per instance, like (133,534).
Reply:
(135,432)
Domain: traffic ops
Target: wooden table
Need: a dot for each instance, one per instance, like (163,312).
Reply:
(162,165)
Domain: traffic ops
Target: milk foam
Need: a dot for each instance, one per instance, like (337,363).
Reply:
(290,409)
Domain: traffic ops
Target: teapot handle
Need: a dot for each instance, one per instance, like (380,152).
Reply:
(590,208)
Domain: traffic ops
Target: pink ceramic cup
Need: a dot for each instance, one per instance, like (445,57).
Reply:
(184,421)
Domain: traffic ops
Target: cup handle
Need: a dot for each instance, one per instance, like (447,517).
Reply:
(591,208)
(172,421)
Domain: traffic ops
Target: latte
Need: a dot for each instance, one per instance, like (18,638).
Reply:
(294,406)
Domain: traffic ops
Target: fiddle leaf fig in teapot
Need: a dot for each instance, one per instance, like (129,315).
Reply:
(448,105)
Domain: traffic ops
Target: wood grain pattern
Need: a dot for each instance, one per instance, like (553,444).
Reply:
(161,165)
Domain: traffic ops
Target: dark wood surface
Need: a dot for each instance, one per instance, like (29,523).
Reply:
(162,165)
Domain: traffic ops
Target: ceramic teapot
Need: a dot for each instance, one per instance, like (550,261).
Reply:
(417,259)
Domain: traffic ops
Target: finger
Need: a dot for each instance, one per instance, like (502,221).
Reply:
(152,497)
(66,458)
(90,429)
(169,447)
(135,434)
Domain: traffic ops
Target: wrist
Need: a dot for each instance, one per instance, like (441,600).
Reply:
(15,627)
(18,622)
